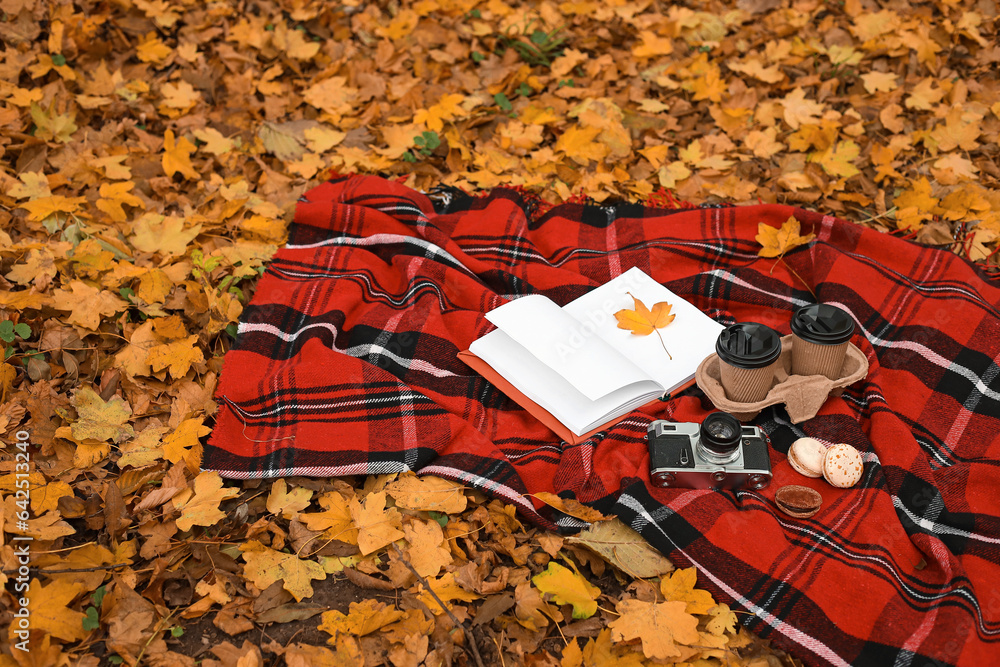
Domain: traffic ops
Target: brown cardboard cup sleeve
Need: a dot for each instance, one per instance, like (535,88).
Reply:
(803,395)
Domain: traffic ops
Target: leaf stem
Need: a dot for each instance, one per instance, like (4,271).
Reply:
(795,273)
(663,344)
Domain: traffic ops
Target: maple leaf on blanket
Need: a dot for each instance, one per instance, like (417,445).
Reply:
(642,321)
(776,241)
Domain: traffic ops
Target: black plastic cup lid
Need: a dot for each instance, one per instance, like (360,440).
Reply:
(822,324)
(748,345)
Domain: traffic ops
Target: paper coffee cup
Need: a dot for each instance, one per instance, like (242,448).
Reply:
(821,334)
(747,353)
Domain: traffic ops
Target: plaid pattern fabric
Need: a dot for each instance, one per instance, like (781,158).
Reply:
(345,364)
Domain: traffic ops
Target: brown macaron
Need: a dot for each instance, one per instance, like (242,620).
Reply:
(797,501)
(806,457)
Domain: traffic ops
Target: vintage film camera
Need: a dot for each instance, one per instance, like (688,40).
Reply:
(719,453)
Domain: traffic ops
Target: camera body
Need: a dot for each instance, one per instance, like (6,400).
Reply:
(719,453)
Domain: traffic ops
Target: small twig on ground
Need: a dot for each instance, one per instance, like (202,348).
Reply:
(874,217)
(39,570)
(469,639)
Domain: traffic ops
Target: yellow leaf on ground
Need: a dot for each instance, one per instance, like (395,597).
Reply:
(680,586)
(427,493)
(154,286)
(723,620)
(953,168)
(202,509)
(177,356)
(214,141)
(33,185)
(53,126)
(39,268)
(428,551)
(322,138)
(40,209)
(45,528)
(166,235)
(580,144)
(377,525)
(335,520)
(764,143)
(776,241)
(960,130)
(266,566)
(799,110)
(531,610)
(346,654)
(99,419)
(917,196)
(113,167)
(331,95)
(924,95)
(134,357)
(116,195)
(287,503)
(447,109)
(152,50)
(48,608)
(568,587)
(660,627)
(363,618)
(144,450)
(183,443)
(652,45)
(602,652)
(837,159)
(878,82)
(177,156)
(294,43)
(447,589)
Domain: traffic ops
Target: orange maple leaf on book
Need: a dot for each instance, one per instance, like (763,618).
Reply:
(642,321)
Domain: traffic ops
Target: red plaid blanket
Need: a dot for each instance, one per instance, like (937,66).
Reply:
(345,364)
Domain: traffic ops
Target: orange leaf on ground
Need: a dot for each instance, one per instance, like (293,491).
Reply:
(660,627)
(377,525)
(680,586)
(363,618)
(202,509)
(266,566)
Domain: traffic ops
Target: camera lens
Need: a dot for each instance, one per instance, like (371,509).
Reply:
(720,436)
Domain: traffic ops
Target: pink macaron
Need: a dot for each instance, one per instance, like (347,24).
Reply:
(843,466)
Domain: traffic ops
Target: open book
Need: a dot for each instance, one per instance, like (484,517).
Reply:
(573,367)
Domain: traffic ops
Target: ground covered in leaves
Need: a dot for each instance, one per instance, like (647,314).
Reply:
(152,152)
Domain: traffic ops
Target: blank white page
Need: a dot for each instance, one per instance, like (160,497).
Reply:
(557,340)
(548,389)
(689,338)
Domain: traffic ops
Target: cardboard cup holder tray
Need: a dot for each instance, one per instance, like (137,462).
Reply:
(803,395)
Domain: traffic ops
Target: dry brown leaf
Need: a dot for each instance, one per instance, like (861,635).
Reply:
(623,548)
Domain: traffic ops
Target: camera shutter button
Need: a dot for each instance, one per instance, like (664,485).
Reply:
(663,478)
